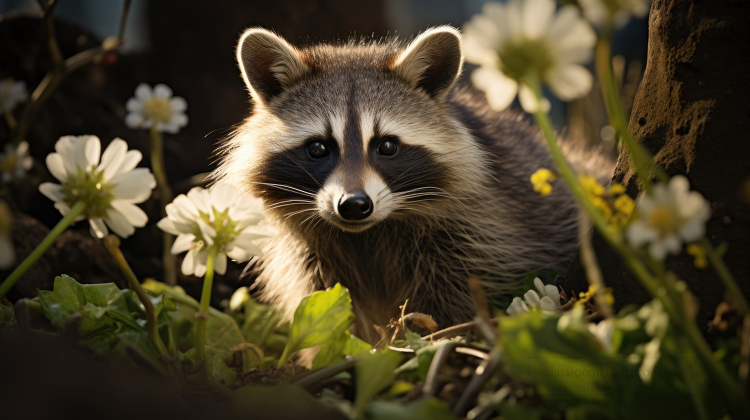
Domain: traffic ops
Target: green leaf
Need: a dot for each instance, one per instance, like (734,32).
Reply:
(415,341)
(430,408)
(319,318)
(215,365)
(374,372)
(339,347)
(567,366)
(280,402)
(422,360)
(65,299)
(259,321)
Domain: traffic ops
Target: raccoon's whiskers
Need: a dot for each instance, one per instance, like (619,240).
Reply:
(288,188)
(286,203)
(294,213)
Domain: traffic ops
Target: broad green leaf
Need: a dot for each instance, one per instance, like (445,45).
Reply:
(66,298)
(339,347)
(280,402)
(415,341)
(430,408)
(374,372)
(319,318)
(223,337)
(566,366)
(259,321)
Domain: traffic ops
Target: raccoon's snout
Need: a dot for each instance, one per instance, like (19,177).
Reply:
(355,206)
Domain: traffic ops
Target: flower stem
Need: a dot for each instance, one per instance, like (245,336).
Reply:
(11,120)
(202,315)
(48,240)
(657,287)
(112,242)
(726,277)
(157,165)
(640,157)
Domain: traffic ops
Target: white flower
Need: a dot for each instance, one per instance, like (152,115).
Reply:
(604,332)
(599,12)
(158,107)
(670,215)
(15,162)
(11,93)
(510,41)
(111,189)
(221,218)
(7,252)
(545,296)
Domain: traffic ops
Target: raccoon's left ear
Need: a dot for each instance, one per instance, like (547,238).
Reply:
(431,62)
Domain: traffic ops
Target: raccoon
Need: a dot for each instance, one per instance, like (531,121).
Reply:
(385,175)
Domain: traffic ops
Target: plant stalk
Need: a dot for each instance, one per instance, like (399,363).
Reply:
(48,240)
(158,167)
(112,242)
(202,315)
(726,277)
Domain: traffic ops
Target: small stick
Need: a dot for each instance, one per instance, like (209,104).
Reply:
(455,330)
(593,273)
(430,387)
(484,372)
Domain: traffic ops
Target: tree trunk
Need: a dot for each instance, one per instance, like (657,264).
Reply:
(691,112)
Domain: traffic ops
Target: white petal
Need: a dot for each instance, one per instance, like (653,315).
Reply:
(566,18)
(178,120)
(162,91)
(693,230)
(178,104)
(135,120)
(520,303)
(182,243)
(181,214)
(98,228)
(134,186)
(580,36)
(200,199)
(639,233)
(657,250)
(132,213)
(112,158)
(553,293)
(539,286)
(532,298)
(570,81)
(529,102)
(66,147)
(89,151)
(134,105)
(207,232)
(547,303)
(119,223)
(238,254)
(223,196)
(143,91)
(52,191)
(188,264)
(220,264)
(537,16)
(167,128)
(173,228)
(500,90)
(200,264)
(63,208)
(56,167)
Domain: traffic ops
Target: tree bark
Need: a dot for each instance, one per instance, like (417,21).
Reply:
(691,112)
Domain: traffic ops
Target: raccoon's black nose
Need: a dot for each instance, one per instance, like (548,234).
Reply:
(355,206)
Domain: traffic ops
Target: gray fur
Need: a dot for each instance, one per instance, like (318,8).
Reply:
(485,222)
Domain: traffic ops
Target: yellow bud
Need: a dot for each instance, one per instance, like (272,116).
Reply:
(616,189)
(699,253)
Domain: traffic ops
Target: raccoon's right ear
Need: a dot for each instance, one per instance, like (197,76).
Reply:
(432,62)
(268,63)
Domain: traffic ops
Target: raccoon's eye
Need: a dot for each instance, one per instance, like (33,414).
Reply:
(388,146)
(317,149)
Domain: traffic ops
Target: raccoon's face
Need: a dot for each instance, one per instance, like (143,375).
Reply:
(352,135)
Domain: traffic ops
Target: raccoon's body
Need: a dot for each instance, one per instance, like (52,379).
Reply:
(383,176)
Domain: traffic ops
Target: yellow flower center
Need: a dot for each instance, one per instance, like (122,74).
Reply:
(664,219)
(157,109)
(522,56)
